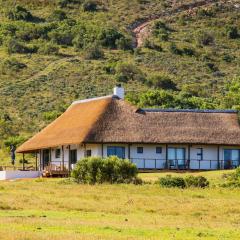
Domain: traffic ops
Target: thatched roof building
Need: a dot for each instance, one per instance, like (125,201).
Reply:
(113,120)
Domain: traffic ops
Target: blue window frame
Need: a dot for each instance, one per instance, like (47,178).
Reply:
(140,150)
(158,150)
(116,151)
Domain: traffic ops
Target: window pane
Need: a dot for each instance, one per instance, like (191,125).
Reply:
(139,149)
(235,156)
(120,152)
(111,151)
(227,155)
(171,153)
(158,150)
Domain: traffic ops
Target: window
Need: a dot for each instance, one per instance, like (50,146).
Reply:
(231,158)
(116,151)
(199,154)
(89,153)
(140,150)
(176,156)
(57,153)
(158,150)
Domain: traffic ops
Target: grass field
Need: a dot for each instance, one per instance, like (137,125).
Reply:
(58,209)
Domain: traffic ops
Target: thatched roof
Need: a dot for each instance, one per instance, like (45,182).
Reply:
(111,120)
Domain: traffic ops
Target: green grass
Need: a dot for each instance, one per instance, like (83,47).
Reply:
(58,209)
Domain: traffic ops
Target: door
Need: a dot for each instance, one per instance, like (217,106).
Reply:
(116,151)
(176,157)
(231,158)
(73,156)
(46,158)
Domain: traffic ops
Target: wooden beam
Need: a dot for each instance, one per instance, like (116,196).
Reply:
(36,161)
(62,157)
(102,150)
(189,156)
(69,159)
(129,152)
(218,156)
(23,162)
(167,156)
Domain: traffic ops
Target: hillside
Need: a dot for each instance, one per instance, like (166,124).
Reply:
(182,54)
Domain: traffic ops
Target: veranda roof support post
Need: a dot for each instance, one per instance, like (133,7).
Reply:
(69,160)
(50,158)
(40,159)
(23,162)
(129,152)
(102,150)
(167,156)
(62,157)
(36,161)
(189,156)
(218,157)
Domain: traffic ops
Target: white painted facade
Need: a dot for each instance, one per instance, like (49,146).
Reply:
(7,175)
(212,156)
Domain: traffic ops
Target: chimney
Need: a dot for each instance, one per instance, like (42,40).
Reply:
(119,91)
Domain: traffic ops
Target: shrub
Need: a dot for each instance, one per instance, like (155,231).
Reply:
(65,3)
(94,52)
(162,81)
(172,182)
(57,15)
(90,6)
(109,37)
(48,49)
(61,37)
(111,170)
(198,182)
(179,182)
(232,179)
(174,49)
(127,72)
(20,13)
(15,46)
(124,43)
(232,32)
(12,64)
(205,38)
(151,45)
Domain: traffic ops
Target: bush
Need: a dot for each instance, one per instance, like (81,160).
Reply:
(174,49)
(12,64)
(151,45)
(232,179)
(57,15)
(198,182)
(109,37)
(162,81)
(15,46)
(205,38)
(129,72)
(232,32)
(20,13)
(111,170)
(179,182)
(124,43)
(94,52)
(172,182)
(90,6)
(48,49)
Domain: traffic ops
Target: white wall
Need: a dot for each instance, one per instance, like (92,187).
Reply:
(152,159)
(5,175)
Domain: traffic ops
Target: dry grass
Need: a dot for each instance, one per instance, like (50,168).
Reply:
(58,209)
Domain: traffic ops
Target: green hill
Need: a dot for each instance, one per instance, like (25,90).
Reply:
(54,52)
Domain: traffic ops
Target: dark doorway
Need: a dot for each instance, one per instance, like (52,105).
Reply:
(46,158)
(73,156)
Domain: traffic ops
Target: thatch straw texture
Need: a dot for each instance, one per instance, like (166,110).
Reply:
(111,120)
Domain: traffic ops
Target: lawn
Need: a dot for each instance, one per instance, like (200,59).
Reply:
(59,209)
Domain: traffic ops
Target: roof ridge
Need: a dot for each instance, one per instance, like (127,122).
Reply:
(189,110)
(90,99)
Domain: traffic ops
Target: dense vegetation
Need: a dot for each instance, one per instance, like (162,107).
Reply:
(53,52)
(107,170)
